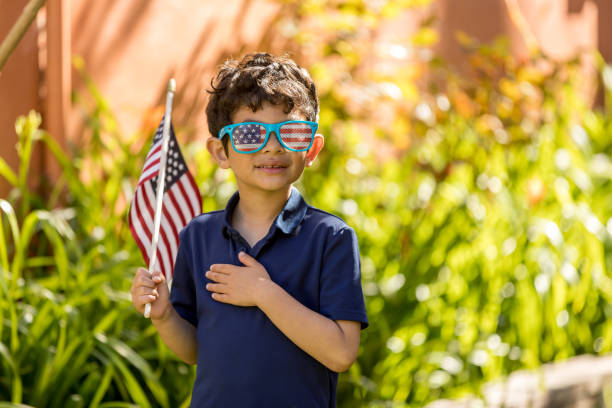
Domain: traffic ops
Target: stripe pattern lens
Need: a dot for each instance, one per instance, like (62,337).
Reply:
(296,136)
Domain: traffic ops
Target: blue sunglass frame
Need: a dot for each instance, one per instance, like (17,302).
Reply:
(270,127)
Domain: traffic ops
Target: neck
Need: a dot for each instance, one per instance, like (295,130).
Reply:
(260,207)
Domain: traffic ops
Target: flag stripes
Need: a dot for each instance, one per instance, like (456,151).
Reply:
(296,135)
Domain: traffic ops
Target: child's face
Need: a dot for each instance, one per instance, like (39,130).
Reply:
(253,171)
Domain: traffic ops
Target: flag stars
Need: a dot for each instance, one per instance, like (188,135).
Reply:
(175,164)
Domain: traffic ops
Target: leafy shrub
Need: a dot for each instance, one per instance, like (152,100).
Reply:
(480,198)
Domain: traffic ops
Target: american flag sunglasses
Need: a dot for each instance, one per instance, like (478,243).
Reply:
(250,137)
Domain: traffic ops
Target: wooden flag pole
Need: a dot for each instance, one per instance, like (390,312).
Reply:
(161,178)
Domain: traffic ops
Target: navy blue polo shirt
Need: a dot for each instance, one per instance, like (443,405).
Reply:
(243,359)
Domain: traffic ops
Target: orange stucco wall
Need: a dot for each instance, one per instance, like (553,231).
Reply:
(132,48)
(560,29)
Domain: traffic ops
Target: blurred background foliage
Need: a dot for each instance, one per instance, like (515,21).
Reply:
(481,197)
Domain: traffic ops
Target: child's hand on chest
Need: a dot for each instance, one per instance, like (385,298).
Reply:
(237,285)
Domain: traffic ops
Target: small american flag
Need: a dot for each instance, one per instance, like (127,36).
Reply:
(249,137)
(181,202)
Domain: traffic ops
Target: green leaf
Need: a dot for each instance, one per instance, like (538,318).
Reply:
(127,378)
(8,173)
(121,349)
(16,384)
(109,371)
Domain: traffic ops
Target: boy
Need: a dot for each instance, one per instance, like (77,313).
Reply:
(266,295)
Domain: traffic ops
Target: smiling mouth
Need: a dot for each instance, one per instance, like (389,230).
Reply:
(271,167)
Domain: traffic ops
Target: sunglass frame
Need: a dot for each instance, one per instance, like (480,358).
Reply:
(270,127)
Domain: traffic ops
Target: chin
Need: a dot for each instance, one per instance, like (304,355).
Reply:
(272,183)
(273,187)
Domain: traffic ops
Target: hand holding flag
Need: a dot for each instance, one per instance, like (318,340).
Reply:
(151,289)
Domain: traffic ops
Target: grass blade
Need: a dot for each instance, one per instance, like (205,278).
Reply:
(7,209)
(131,384)
(104,383)
(8,173)
(71,365)
(17,387)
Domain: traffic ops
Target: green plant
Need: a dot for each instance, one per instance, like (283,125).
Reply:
(481,200)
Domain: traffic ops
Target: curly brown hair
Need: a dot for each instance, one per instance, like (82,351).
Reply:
(256,79)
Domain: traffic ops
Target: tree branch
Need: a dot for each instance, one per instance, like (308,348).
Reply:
(19,29)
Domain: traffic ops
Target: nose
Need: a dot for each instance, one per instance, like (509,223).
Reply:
(273,144)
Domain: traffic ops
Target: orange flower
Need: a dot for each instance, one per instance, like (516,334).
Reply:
(536,190)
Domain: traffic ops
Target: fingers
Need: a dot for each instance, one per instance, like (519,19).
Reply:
(144,278)
(145,286)
(146,293)
(247,259)
(158,277)
(216,276)
(216,287)
(221,297)
(144,299)
(222,268)
(144,281)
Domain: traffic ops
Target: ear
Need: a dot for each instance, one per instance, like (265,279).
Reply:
(317,145)
(216,150)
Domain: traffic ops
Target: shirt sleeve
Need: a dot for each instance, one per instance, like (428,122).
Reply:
(182,294)
(341,296)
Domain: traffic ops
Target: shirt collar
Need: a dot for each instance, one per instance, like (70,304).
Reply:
(287,220)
